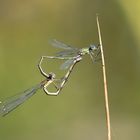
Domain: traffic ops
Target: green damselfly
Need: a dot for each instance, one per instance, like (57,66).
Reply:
(71,53)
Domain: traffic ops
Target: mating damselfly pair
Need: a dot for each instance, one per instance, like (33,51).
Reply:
(71,55)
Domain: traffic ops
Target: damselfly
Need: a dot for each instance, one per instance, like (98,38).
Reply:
(70,53)
(13,102)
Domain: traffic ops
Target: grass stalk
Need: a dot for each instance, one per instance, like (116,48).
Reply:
(105,82)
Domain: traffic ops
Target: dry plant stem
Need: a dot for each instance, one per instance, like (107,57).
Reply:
(105,83)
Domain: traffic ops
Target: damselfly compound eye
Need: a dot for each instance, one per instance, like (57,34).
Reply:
(92,48)
(52,75)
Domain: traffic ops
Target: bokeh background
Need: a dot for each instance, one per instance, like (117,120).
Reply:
(78,113)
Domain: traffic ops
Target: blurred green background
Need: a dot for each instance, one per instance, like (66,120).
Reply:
(78,112)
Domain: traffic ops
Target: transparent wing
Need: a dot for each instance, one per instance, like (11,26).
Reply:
(12,102)
(60,45)
(68,53)
(67,64)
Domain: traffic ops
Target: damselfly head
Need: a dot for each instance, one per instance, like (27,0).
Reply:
(94,52)
(51,75)
(92,48)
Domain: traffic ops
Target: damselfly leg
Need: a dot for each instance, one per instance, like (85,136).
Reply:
(95,55)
